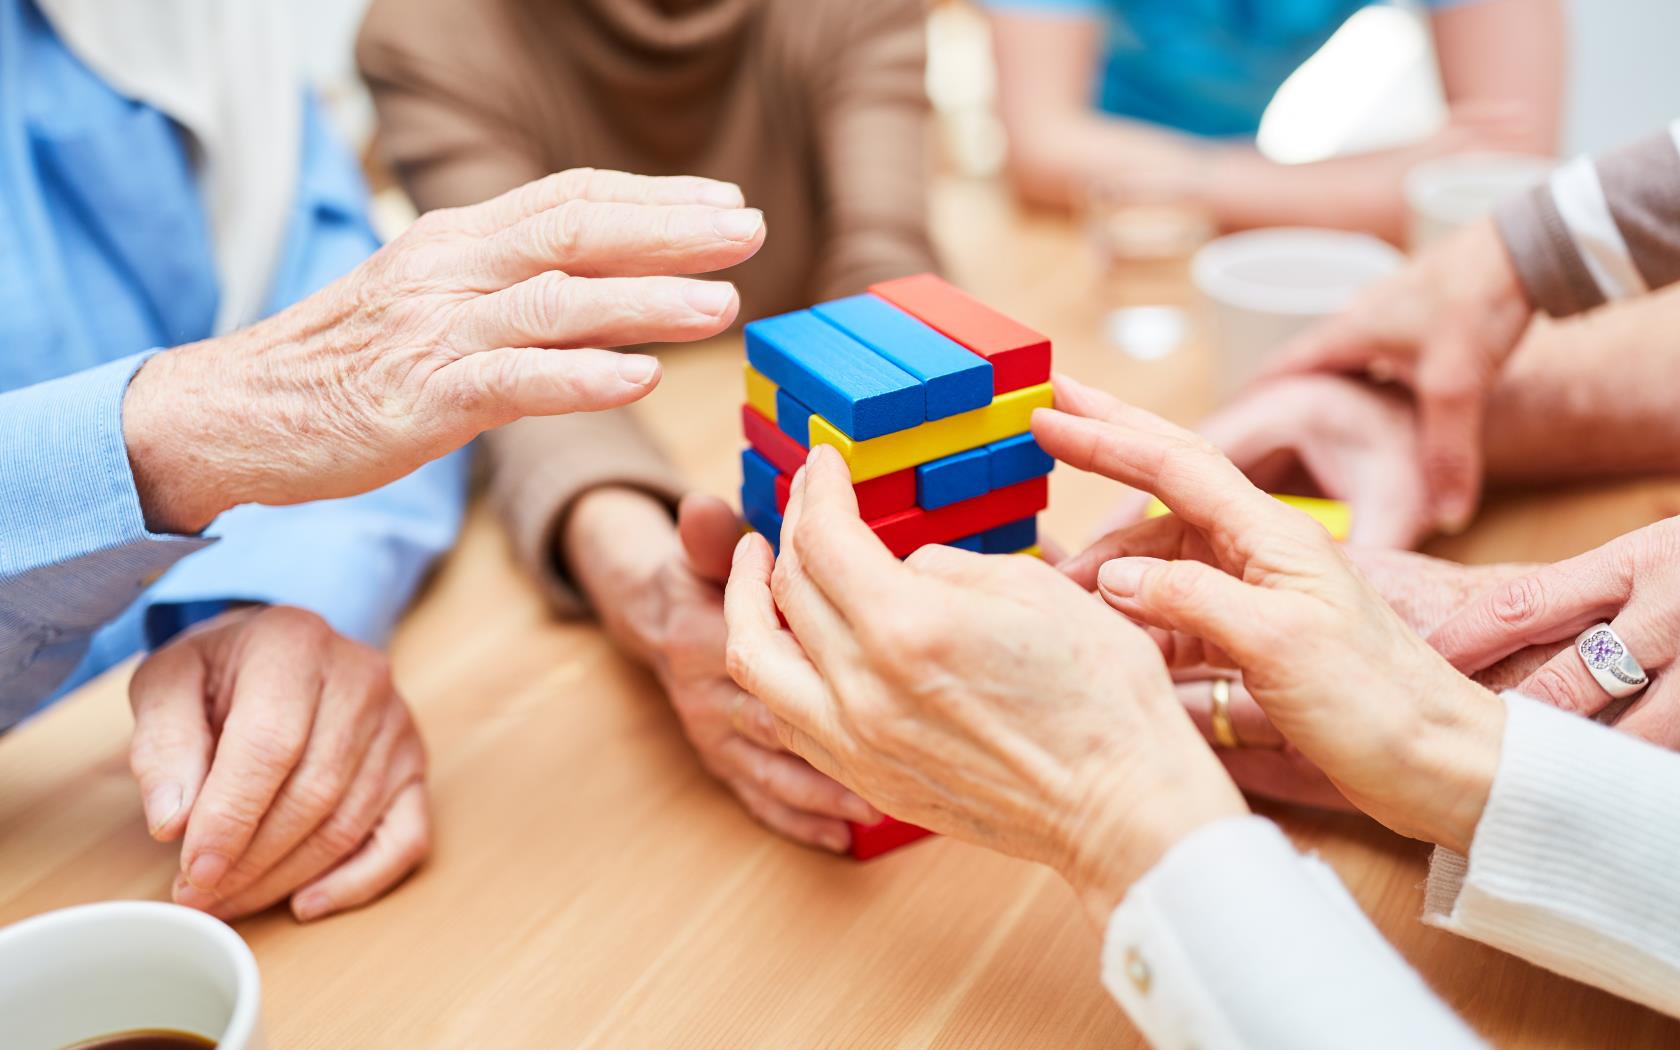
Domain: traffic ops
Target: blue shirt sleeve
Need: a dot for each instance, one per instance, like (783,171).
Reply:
(74,547)
(356,562)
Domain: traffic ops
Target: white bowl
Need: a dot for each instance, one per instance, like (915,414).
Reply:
(1263,286)
(118,966)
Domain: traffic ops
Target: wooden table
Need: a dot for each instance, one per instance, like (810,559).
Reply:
(592,887)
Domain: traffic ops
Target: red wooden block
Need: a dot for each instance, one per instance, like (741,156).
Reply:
(1019,356)
(877,497)
(905,531)
(787,454)
(872,840)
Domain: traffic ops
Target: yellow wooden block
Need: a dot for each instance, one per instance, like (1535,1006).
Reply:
(1008,414)
(1333,514)
(761,393)
(1035,551)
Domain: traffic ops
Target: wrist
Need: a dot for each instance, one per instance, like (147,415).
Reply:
(175,463)
(1116,841)
(1450,760)
(614,543)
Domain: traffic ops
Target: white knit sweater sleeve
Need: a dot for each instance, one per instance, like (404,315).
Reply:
(1235,940)
(1575,864)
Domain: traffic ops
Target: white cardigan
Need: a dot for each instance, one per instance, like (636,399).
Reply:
(1234,938)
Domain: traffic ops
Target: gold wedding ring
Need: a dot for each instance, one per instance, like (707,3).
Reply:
(1224,733)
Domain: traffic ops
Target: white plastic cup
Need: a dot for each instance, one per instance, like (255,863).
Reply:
(1263,286)
(1448,192)
(120,966)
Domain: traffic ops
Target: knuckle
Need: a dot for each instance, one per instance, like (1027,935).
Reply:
(1559,689)
(567,228)
(1519,602)
(301,624)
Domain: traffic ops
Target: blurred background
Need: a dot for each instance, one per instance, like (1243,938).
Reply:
(1379,72)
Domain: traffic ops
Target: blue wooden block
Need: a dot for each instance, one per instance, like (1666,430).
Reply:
(957,379)
(1018,459)
(969,543)
(859,391)
(942,482)
(758,480)
(793,417)
(763,519)
(1009,538)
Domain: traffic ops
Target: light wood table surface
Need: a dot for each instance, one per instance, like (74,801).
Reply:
(590,886)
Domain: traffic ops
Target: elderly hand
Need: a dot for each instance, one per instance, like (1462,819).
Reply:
(1425,592)
(1323,435)
(282,757)
(452,329)
(1236,579)
(987,698)
(1632,583)
(1444,327)
(659,592)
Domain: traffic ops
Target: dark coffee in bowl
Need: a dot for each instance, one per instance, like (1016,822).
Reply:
(151,1039)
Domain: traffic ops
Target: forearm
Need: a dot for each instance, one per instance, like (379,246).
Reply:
(1589,398)
(612,546)
(1242,189)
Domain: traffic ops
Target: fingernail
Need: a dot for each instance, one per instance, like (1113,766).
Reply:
(709,297)
(1120,577)
(309,906)
(207,870)
(1454,522)
(738,224)
(721,195)
(836,841)
(162,805)
(636,369)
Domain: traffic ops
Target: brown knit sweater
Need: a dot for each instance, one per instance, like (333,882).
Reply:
(815,107)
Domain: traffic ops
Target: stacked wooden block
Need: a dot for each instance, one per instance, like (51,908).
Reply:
(928,396)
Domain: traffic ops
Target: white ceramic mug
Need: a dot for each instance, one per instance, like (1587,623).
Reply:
(1263,286)
(120,966)
(1445,193)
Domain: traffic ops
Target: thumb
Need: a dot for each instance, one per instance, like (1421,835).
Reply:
(170,751)
(499,386)
(709,531)
(1188,598)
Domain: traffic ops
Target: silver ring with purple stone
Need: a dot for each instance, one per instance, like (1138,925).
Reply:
(1608,660)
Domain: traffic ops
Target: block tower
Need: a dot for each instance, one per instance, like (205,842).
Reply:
(928,395)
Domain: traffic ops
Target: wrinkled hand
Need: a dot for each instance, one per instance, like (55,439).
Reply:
(671,618)
(1631,583)
(281,756)
(1425,592)
(1444,327)
(983,697)
(1324,435)
(450,330)
(1235,579)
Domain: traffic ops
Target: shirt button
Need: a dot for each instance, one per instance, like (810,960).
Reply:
(1137,971)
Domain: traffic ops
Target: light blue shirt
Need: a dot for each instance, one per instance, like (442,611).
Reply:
(1207,67)
(104,256)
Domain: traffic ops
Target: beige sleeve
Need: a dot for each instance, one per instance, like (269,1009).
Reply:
(872,111)
(444,134)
